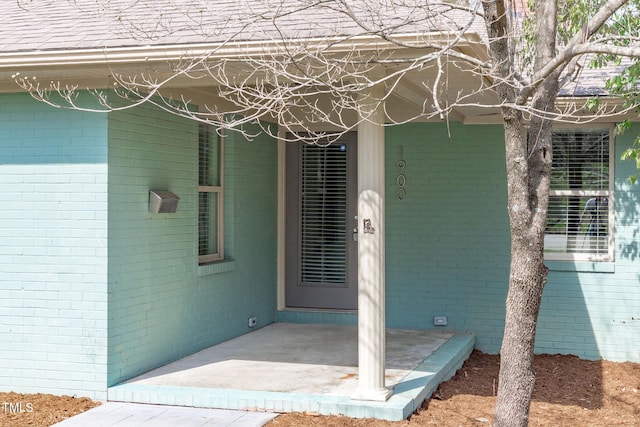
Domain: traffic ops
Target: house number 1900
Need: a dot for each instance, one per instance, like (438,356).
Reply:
(401,180)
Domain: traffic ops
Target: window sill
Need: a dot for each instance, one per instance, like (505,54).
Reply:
(582,266)
(216,268)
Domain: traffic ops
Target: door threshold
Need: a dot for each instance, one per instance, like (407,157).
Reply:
(325,316)
(319,310)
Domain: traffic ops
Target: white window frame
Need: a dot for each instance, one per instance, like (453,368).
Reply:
(609,193)
(219,191)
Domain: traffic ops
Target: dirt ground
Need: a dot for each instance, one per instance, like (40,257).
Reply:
(569,392)
(39,410)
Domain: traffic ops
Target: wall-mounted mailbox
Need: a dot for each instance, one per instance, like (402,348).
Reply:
(162,201)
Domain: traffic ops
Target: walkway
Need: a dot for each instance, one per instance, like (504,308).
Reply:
(119,414)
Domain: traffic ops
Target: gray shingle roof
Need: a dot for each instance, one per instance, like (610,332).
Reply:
(590,81)
(36,25)
(66,25)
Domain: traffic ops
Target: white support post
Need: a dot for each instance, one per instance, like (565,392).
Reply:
(371,259)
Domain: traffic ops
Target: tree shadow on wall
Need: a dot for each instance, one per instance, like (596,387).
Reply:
(627,223)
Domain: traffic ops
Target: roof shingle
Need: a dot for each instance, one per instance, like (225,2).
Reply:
(36,25)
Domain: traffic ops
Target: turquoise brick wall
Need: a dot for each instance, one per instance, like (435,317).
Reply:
(162,306)
(92,294)
(447,241)
(53,251)
(593,309)
(448,249)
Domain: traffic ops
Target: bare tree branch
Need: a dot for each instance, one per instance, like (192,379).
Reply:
(579,45)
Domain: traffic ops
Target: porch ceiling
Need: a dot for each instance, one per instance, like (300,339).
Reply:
(411,96)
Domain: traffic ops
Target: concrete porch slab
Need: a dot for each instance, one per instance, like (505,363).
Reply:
(287,367)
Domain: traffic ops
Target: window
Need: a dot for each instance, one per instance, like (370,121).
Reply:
(323,214)
(580,217)
(210,195)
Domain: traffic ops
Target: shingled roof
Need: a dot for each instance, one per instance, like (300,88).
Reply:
(591,81)
(37,25)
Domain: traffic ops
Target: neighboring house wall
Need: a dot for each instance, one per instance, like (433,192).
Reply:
(162,306)
(448,248)
(53,251)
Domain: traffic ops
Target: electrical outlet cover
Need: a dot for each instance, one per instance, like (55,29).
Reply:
(440,320)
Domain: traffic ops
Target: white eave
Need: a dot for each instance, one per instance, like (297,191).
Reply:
(230,50)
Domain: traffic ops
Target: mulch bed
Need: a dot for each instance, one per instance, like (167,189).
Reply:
(569,392)
(39,410)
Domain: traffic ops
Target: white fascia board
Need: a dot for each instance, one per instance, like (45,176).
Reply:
(230,50)
(614,105)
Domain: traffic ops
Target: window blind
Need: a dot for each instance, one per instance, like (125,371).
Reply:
(580,160)
(578,215)
(323,228)
(210,194)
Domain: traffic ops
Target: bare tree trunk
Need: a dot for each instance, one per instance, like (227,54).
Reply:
(528,159)
(528,199)
(517,379)
(528,175)
(526,281)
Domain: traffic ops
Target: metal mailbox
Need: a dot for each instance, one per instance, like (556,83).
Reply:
(161,201)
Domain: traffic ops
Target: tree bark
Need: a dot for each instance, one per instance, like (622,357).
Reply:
(528,199)
(528,161)
(527,274)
